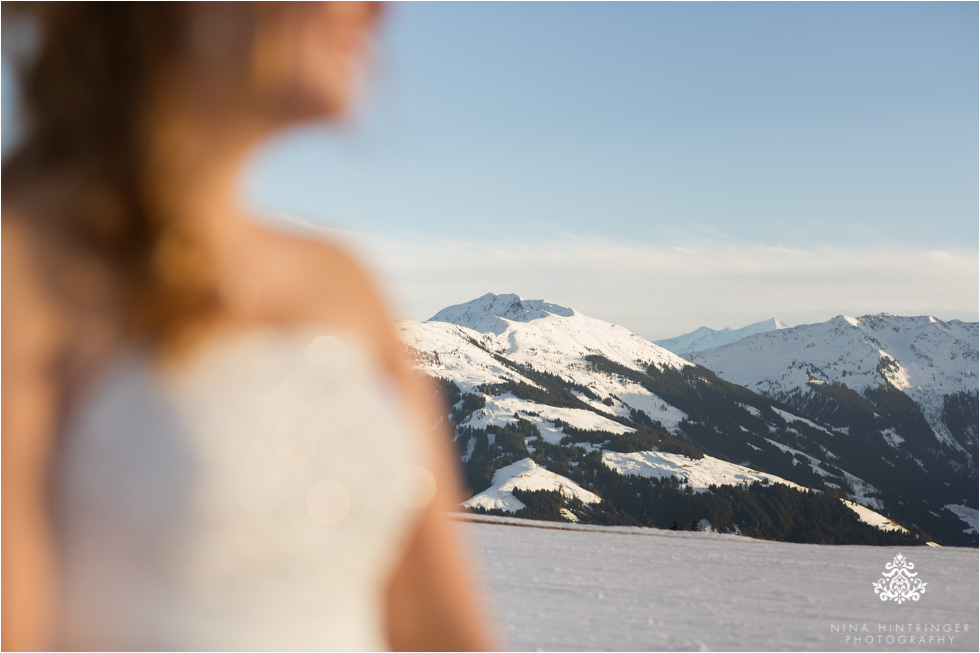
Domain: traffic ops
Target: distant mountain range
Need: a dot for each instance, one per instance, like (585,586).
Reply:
(927,359)
(558,415)
(706,338)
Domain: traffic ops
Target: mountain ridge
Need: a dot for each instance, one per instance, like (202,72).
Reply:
(567,391)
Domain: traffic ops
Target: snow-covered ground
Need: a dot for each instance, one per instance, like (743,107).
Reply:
(639,589)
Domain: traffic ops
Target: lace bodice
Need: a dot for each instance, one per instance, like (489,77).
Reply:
(257,499)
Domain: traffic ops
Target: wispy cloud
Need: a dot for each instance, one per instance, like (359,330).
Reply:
(662,291)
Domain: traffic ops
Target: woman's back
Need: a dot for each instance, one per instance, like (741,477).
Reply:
(258,499)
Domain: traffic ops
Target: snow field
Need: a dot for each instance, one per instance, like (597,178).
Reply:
(616,589)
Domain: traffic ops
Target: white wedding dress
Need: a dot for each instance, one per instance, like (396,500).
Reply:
(256,499)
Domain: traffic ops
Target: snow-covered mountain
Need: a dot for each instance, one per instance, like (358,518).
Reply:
(925,358)
(596,407)
(904,390)
(493,313)
(487,340)
(544,335)
(707,338)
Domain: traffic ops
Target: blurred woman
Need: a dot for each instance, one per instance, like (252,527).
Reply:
(211,439)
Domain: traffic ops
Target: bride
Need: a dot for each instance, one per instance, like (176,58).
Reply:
(211,439)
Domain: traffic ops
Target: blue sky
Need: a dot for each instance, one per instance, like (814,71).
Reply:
(778,123)
(658,165)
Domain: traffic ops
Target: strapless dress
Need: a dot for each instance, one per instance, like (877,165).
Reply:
(258,498)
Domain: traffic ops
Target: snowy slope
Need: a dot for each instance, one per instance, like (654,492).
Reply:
(924,357)
(545,337)
(622,589)
(707,338)
(466,357)
(504,409)
(525,475)
(699,474)
(869,516)
(448,351)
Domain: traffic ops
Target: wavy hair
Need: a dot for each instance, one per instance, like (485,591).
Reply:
(95,94)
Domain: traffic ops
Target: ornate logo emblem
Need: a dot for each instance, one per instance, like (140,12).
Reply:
(899,582)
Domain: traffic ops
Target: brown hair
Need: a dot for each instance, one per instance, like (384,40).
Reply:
(94,95)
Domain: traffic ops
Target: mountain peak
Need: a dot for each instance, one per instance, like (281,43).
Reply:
(492,312)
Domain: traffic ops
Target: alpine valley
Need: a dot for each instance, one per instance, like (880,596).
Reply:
(856,430)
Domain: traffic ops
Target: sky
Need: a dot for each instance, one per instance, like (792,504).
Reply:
(663,166)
